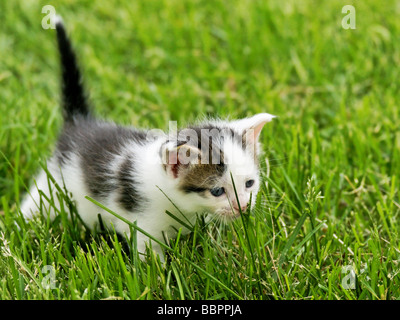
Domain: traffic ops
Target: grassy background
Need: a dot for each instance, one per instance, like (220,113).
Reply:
(331,194)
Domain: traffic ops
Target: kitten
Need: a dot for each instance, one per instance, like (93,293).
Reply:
(140,174)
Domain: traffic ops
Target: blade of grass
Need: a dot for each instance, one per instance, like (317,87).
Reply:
(247,235)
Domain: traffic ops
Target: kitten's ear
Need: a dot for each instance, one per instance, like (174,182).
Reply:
(178,155)
(251,127)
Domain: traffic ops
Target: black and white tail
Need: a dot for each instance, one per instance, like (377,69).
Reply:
(74,101)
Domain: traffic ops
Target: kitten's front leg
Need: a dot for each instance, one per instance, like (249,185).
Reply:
(140,240)
(144,244)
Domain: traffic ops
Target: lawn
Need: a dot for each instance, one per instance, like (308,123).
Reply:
(325,225)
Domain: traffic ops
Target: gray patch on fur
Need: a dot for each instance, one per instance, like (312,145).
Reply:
(129,196)
(97,143)
(202,177)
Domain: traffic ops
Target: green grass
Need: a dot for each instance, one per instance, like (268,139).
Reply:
(331,192)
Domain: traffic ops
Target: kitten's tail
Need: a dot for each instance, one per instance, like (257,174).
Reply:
(74,100)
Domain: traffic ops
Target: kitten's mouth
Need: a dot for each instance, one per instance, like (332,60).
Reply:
(228,214)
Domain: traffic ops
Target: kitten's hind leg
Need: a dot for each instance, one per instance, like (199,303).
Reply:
(39,197)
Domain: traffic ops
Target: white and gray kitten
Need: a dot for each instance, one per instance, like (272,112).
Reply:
(141,174)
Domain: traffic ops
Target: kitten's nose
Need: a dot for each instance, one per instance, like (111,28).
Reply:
(242,207)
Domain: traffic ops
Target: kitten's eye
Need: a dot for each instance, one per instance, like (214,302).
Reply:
(217,192)
(249,183)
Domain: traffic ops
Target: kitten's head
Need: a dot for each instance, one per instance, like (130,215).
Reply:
(212,160)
